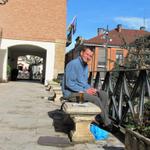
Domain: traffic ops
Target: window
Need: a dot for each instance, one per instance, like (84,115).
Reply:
(102,57)
(119,57)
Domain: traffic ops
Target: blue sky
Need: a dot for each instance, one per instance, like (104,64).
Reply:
(93,14)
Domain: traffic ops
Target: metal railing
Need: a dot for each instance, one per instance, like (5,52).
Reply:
(128,90)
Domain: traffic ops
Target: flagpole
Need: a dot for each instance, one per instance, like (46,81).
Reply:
(71,22)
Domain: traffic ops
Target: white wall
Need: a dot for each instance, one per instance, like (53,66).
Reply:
(3,65)
(49,66)
(50,54)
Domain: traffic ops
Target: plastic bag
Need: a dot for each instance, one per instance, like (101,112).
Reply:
(98,133)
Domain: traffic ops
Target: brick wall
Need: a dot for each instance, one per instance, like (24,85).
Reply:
(40,20)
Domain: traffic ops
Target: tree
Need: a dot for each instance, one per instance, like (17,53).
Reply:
(139,53)
(32,61)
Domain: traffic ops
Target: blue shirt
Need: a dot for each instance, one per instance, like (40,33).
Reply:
(75,77)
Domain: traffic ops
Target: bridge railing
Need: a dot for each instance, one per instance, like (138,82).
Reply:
(128,90)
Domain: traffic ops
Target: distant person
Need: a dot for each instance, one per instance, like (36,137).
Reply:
(14,74)
(30,72)
(75,81)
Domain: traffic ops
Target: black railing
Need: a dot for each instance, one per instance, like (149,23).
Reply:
(128,90)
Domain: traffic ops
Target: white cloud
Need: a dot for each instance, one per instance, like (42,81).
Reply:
(133,22)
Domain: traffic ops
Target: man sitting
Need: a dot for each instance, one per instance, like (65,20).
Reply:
(75,81)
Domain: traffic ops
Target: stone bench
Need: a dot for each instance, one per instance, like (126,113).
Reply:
(82,116)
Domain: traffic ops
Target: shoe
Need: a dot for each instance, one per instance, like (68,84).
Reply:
(109,127)
(99,119)
(52,97)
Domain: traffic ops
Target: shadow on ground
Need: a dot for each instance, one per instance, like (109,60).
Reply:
(54,141)
(119,135)
(61,121)
(113,148)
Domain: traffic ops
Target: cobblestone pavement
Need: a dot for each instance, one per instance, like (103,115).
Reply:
(24,118)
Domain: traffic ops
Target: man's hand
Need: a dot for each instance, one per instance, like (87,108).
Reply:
(91,91)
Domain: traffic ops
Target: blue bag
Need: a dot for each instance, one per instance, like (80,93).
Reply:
(98,133)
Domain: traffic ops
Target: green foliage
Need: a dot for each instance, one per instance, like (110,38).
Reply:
(138,53)
(143,128)
(8,70)
(32,60)
(147,105)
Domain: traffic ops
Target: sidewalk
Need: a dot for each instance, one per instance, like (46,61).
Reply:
(24,119)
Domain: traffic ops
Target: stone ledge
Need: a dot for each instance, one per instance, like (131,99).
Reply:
(82,115)
(86,108)
(134,140)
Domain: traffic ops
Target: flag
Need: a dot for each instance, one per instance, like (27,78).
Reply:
(73,25)
(69,38)
(71,30)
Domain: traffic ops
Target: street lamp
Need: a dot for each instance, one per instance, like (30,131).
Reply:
(107,39)
(105,45)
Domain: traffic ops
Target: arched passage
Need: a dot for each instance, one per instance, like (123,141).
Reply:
(11,49)
(21,50)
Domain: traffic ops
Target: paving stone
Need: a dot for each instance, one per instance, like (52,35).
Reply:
(24,118)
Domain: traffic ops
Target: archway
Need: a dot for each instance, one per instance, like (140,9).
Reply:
(23,50)
(29,67)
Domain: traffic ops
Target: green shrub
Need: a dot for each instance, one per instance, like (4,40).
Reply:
(8,70)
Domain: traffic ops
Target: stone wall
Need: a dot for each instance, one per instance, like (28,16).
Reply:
(59,57)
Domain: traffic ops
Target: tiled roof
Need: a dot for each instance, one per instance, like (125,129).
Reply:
(118,38)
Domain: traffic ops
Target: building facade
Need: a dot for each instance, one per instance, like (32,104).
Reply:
(109,49)
(33,28)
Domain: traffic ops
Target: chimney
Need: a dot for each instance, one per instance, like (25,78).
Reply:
(100,31)
(119,27)
(142,28)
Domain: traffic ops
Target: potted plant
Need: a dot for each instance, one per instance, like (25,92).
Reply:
(138,136)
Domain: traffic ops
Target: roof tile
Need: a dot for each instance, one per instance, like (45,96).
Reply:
(126,36)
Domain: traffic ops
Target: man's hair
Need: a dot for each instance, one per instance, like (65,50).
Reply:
(83,48)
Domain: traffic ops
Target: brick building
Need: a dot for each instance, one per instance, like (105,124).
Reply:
(33,27)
